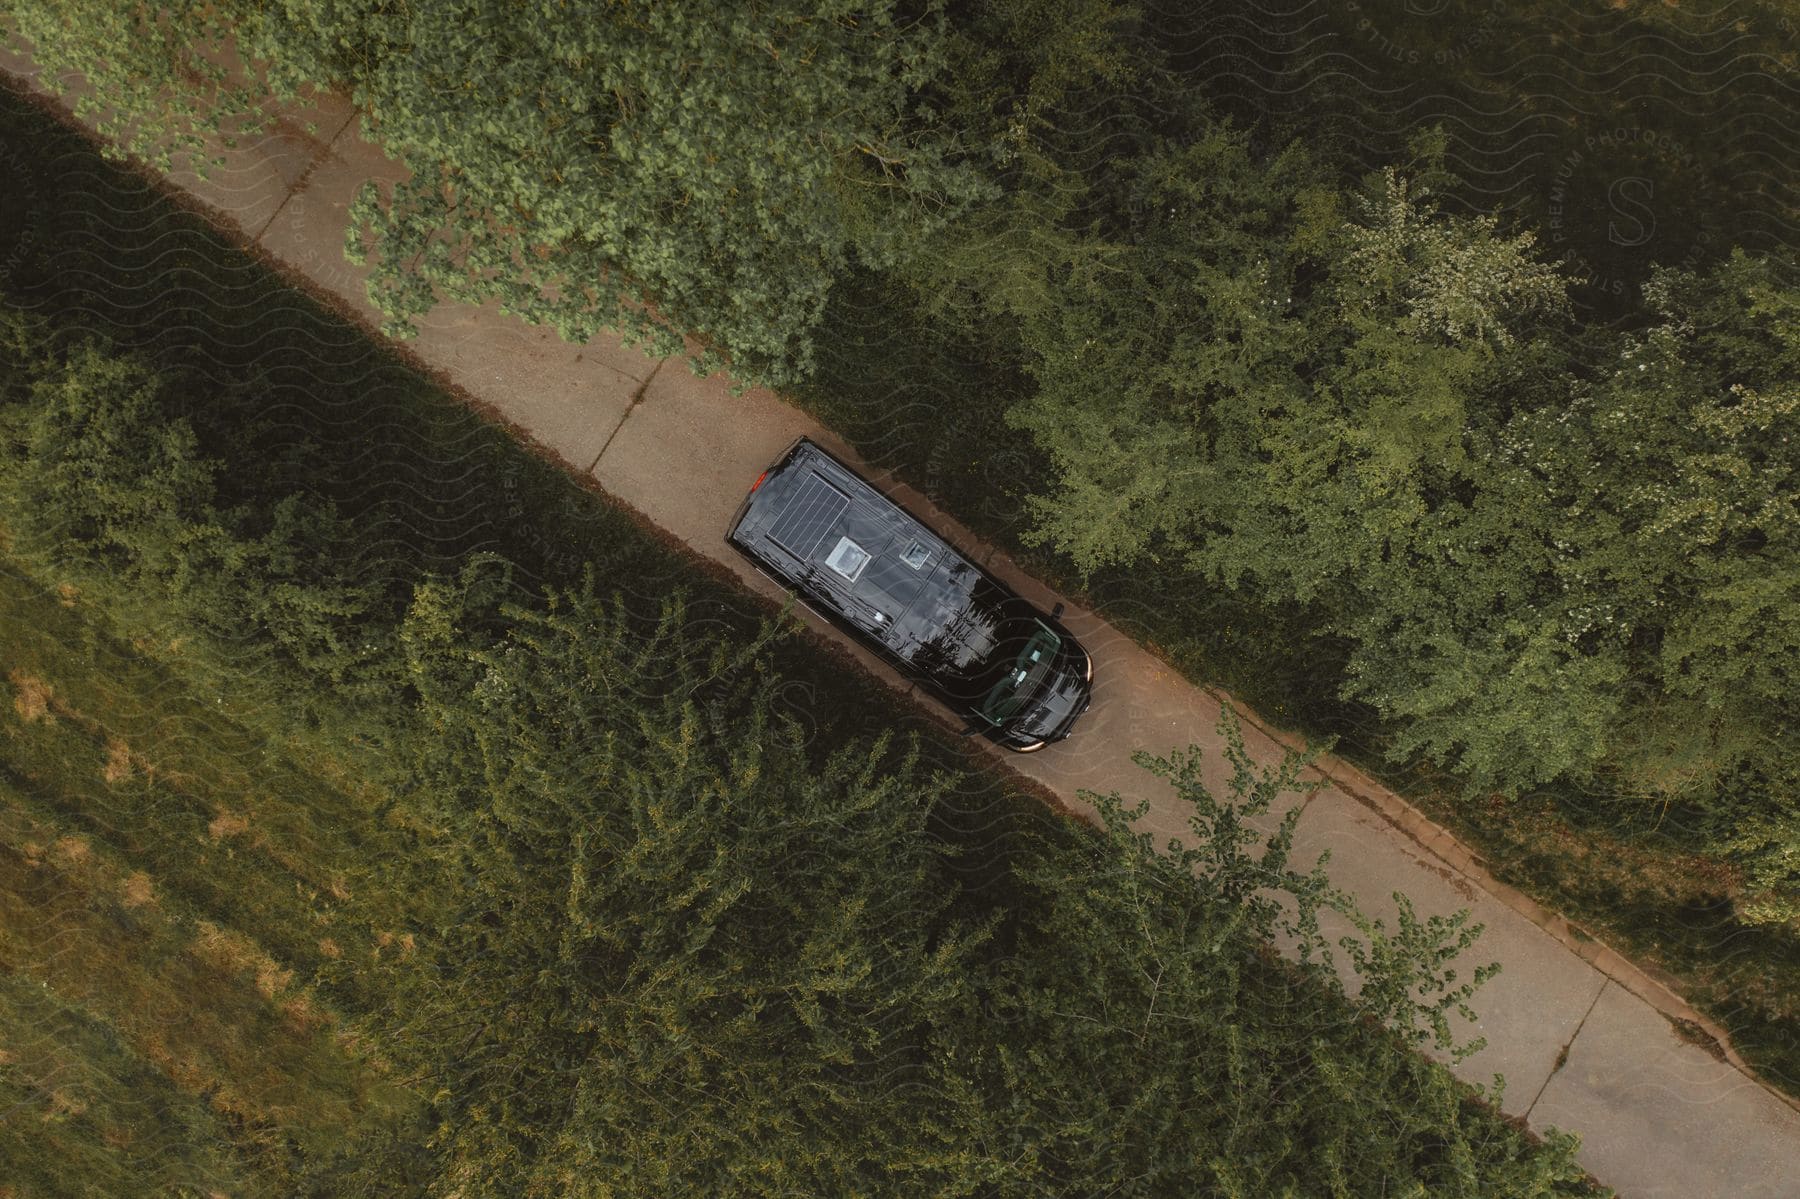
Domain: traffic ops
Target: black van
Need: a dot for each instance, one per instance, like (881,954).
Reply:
(864,563)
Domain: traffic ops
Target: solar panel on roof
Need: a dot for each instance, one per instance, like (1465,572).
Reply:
(809,515)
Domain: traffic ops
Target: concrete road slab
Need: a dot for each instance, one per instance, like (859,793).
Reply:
(1661,1118)
(690,450)
(256,173)
(19,66)
(259,169)
(307,233)
(634,362)
(319,114)
(255,176)
(1528,1012)
(568,400)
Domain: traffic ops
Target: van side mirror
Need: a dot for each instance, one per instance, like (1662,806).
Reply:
(1056,612)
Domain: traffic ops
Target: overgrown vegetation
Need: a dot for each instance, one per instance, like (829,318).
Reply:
(1628,134)
(521,880)
(190,918)
(574,161)
(1213,332)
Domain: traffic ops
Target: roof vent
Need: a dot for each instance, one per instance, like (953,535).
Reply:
(847,558)
(915,554)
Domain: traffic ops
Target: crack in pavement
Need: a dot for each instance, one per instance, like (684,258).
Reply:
(637,397)
(1562,1057)
(305,179)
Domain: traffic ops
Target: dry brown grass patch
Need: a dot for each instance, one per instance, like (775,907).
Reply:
(32,701)
(329,948)
(272,980)
(235,954)
(227,824)
(136,890)
(302,1016)
(63,1106)
(72,850)
(385,940)
(118,761)
(67,594)
(188,1075)
(226,950)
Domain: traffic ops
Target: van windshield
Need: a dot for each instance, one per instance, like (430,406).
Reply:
(1020,673)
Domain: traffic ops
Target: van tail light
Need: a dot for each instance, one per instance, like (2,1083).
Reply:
(759,481)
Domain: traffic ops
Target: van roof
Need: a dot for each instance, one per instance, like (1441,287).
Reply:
(814,519)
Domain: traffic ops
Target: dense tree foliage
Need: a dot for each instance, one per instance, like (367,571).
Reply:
(701,956)
(104,488)
(1546,571)
(1623,572)
(1629,134)
(578,162)
(717,969)
(1352,401)
(163,82)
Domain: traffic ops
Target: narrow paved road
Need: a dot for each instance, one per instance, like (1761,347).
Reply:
(1581,1035)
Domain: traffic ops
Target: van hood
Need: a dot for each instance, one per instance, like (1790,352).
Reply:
(1065,695)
